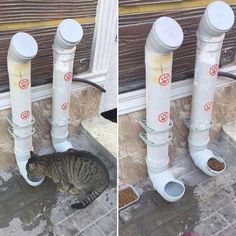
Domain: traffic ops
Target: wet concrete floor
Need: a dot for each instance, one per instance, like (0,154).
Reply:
(42,210)
(208,207)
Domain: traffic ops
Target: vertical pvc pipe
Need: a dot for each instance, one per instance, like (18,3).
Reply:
(22,49)
(68,35)
(216,21)
(165,36)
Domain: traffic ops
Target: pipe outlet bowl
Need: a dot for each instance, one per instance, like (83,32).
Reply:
(61,146)
(201,160)
(167,185)
(69,33)
(23,47)
(30,180)
(218,18)
(166,34)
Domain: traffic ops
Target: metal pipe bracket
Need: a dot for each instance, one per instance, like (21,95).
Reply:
(11,132)
(143,123)
(187,123)
(15,126)
(49,118)
(149,143)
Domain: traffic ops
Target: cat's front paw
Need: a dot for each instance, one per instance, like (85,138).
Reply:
(74,191)
(64,188)
(56,181)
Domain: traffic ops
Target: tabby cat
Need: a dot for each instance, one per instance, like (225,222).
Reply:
(80,172)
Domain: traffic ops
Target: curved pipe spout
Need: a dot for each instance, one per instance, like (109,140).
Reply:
(22,168)
(68,35)
(201,158)
(61,146)
(165,36)
(167,185)
(216,21)
(22,49)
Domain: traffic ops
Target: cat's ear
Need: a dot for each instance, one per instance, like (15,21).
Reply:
(32,154)
(71,150)
(32,167)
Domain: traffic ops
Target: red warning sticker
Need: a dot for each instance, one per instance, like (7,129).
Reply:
(65,106)
(163,117)
(23,84)
(208,106)
(68,76)
(214,70)
(164,79)
(25,115)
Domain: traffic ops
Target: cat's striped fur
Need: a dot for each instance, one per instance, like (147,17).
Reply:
(80,171)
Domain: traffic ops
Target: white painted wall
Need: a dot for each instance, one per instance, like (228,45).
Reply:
(109,99)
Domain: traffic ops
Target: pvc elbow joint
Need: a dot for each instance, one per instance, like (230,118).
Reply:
(61,146)
(23,47)
(162,40)
(167,185)
(201,158)
(69,34)
(217,19)
(33,181)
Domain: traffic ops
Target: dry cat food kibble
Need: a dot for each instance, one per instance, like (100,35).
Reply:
(126,196)
(216,165)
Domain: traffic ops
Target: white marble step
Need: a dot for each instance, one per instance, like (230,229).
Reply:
(104,131)
(230,130)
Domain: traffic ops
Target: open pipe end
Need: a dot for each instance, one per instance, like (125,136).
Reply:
(62,146)
(30,180)
(167,186)
(206,161)
(174,190)
(216,165)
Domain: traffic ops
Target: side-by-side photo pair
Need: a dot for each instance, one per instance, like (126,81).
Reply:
(118,118)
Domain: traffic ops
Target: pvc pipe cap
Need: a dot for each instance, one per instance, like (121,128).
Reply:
(24,46)
(70,31)
(220,16)
(168,32)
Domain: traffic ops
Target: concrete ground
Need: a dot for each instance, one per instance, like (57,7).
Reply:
(42,210)
(208,207)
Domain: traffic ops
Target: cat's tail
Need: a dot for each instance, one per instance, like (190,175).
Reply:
(89,199)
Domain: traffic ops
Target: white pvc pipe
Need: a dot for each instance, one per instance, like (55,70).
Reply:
(217,19)
(68,35)
(22,49)
(165,36)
